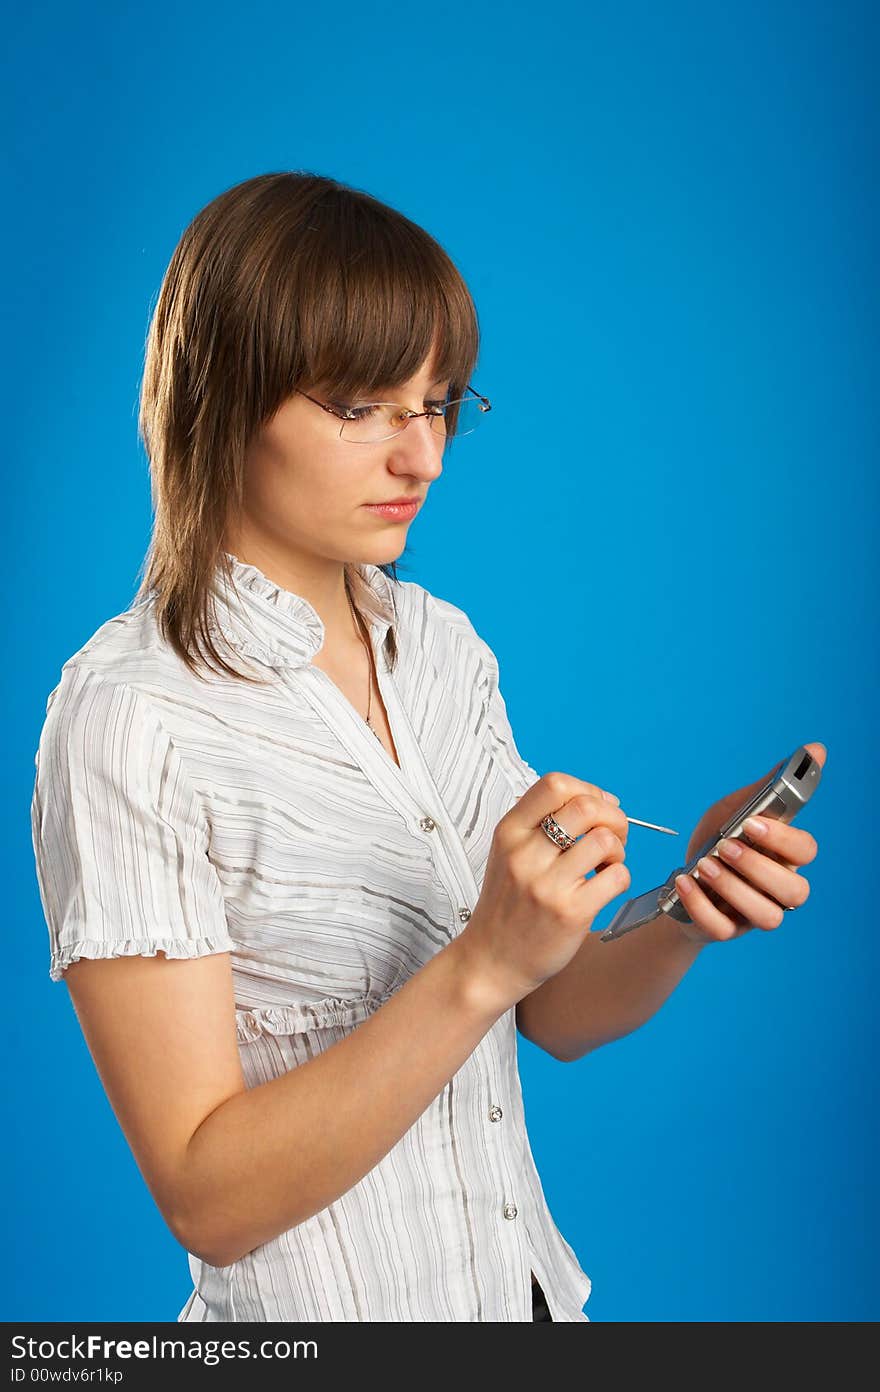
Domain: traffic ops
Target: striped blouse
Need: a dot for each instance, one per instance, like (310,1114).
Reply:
(193,815)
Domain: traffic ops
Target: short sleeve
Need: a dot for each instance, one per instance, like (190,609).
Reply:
(520,774)
(120,836)
(498,732)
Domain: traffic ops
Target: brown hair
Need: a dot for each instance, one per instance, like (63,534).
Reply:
(285,280)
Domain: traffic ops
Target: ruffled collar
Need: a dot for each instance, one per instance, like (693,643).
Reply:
(262,620)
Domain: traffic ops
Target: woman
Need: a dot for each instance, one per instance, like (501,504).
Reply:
(291,861)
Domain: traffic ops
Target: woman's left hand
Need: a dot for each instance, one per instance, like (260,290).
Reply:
(752,889)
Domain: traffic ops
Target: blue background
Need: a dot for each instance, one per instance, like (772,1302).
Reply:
(667,217)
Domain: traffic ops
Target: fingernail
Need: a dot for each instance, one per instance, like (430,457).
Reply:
(709,867)
(756,826)
(730,847)
(609,797)
(682,884)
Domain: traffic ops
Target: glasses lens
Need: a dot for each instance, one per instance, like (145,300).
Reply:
(383,420)
(462,418)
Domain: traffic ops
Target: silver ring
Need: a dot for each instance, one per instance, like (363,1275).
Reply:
(557,834)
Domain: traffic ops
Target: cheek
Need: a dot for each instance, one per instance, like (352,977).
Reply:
(315,490)
(327,485)
(298,472)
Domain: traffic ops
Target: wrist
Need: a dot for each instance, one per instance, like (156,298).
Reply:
(485,989)
(692,935)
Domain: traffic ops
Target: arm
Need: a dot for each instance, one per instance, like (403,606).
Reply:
(137,921)
(607,990)
(601,995)
(231,1167)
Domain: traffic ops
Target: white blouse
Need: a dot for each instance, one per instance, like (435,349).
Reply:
(194,815)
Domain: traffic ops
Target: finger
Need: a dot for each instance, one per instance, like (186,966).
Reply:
(703,911)
(584,811)
(769,875)
(756,908)
(563,786)
(601,888)
(791,844)
(595,851)
(550,794)
(594,825)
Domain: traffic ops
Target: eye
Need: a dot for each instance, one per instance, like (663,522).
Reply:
(351,412)
(436,407)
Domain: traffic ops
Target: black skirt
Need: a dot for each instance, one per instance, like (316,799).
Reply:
(539,1303)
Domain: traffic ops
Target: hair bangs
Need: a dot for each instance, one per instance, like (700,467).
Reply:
(377,297)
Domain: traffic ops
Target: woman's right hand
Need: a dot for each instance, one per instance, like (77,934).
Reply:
(535,904)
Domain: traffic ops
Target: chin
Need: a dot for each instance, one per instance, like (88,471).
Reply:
(380,555)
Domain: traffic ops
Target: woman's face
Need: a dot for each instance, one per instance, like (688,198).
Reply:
(307,490)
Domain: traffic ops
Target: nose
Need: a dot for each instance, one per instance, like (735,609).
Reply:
(418,449)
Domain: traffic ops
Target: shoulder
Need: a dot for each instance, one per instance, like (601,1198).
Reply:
(127,647)
(427,617)
(118,676)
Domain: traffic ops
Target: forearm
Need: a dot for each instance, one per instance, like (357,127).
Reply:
(270,1157)
(607,990)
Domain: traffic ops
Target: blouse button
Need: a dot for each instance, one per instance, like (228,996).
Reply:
(464,915)
(495,1114)
(427,824)
(510,1210)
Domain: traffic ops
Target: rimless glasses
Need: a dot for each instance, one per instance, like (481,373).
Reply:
(382,420)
